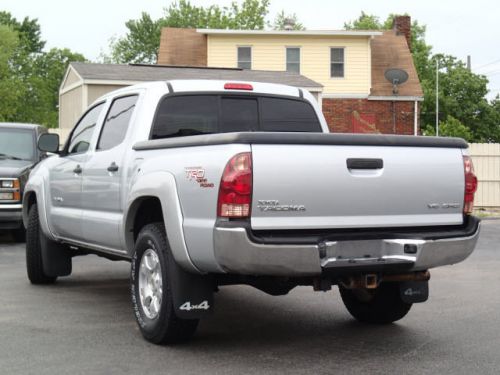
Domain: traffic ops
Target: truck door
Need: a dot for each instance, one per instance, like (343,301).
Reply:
(103,177)
(66,179)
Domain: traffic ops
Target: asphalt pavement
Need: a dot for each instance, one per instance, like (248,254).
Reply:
(84,325)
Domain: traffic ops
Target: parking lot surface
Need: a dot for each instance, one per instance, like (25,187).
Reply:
(84,325)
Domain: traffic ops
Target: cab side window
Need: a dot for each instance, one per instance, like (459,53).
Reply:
(117,122)
(82,135)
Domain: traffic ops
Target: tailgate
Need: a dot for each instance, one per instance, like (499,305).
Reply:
(331,186)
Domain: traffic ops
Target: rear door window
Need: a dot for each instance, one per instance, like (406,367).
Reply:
(82,134)
(117,121)
(288,115)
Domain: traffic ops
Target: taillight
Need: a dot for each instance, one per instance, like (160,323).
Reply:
(470,185)
(235,191)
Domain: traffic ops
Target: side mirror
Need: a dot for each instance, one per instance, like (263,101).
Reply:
(48,142)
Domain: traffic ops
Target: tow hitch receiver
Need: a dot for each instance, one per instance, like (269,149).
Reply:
(368,281)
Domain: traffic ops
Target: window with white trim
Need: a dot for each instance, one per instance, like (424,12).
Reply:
(293,59)
(245,57)
(337,63)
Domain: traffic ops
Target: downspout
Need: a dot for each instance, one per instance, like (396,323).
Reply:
(393,117)
(415,119)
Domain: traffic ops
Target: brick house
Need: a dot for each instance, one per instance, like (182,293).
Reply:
(350,65)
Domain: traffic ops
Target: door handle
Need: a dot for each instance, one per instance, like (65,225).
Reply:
(113,167)
(77,169)
(363,163)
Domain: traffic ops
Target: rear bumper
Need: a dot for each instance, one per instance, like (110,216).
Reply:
(237,252)
(11,216)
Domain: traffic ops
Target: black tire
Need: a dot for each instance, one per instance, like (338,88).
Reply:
(382,305)
(34,262)
(166,327)
(19,234)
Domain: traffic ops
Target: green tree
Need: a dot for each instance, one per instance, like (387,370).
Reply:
(281,19)
(10,89)
(365,22)
(30,39)
(48,72)
(462,95)
(141,43)
(29,76)
(451,127)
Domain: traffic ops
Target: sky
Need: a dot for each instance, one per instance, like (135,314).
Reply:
(454,27)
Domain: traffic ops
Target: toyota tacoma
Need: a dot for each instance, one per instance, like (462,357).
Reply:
(202,184)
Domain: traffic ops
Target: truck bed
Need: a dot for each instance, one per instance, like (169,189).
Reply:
(309,181)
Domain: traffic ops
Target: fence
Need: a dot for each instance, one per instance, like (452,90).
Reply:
(486,159)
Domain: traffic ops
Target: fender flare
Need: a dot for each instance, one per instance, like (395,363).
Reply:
(160,185)
(35,186)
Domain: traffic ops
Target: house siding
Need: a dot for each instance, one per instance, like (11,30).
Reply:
(71,79)
(96,91)
(70,107)
(269,53)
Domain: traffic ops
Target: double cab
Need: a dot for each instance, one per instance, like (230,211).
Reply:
(202,184)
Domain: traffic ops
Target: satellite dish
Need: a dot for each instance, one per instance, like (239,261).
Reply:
(396,77)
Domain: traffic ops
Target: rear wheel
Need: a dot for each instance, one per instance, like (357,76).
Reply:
(151,292)
(382,305)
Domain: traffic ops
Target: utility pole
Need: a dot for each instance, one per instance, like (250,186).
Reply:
(437,98)
(469,65)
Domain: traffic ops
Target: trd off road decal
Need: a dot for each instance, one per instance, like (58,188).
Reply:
(198,174)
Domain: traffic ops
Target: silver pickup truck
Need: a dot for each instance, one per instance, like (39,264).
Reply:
(201,184)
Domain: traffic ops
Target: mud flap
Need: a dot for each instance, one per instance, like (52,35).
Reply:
(192,294)
(414,291)
(56,259)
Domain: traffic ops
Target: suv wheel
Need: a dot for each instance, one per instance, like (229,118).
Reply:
(382,305)
(151,292)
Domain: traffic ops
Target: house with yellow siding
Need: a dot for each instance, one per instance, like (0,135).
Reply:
(305,53)
(349,64)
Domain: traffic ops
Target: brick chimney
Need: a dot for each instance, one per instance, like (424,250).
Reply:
(402,26)
(182,47)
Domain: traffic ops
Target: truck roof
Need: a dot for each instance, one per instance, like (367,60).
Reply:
(19,125)
(211,85)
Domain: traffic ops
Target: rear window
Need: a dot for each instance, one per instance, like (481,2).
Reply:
(186,115)
(238,115)
(284,115)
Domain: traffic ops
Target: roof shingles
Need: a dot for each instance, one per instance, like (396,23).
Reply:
(144,73)
(391,51)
